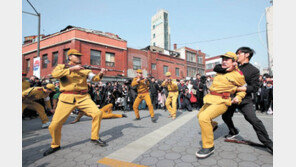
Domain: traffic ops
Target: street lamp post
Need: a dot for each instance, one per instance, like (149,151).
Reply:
(38,38)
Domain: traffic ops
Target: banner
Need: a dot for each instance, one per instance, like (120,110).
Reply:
(36,67)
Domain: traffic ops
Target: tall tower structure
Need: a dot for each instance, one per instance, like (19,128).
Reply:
(160,30)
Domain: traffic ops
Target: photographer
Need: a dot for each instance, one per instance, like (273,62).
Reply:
(181,88)
(186,99)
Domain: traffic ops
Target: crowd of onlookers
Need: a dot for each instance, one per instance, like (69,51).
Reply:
(191,93)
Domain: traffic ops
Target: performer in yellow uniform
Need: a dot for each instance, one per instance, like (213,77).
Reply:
(218,100)
(107,113)
(25,83)
(74,94)
(35,93)
(172,96)
(143,94)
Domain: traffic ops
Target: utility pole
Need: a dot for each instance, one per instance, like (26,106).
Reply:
(39,16)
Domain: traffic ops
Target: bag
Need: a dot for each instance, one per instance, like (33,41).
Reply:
(193,99)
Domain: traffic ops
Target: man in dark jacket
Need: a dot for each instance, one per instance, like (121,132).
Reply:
(154,88)
(181,88)
(186,99)
(251,74)
(195,86)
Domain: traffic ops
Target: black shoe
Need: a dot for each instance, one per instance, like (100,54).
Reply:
(137,119)
(215,128)
(214,125)
(124,115)
(153,119)
(270,149)
(205,152)
(51,150)
(231,136)
(99,142)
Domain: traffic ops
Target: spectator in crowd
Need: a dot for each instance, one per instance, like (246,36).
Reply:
(202,91)
(267,97)
(181,88)
(185,95)
(154,92)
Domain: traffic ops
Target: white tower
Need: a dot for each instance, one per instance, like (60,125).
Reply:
(160,30)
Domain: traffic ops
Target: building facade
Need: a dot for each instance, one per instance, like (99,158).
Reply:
(160,30)
(195,60)
(154,63)
(99,49)
(107,50)
(210,64)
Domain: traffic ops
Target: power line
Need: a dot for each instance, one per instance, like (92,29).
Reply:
(237,36)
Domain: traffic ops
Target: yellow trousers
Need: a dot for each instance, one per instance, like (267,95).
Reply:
(107,112)
(205,116)
(172,98)
(63,111)
(36,107)
(138,100)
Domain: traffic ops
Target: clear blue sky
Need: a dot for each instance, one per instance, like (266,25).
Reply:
(189,20)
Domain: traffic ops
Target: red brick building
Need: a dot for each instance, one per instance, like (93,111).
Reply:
(98,49)
(154,63)
(110,51)
(210,64)
(194,60)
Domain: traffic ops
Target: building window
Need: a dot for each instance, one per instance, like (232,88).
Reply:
(153,66)
(28,65)
(153,27)
(65,56)
(153,43)
(191,57)
(177,72)
(165,69)
(136,63)
(200,60)
(209,66)
(201,71)
(110,59)
(191,71)
(55,56)
(44,61)
(153,35)
(95,57)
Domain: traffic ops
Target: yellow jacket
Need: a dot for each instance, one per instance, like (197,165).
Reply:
(73,81)
(36,93)
(172,86)
(143,85)
(226,83)
(25,84)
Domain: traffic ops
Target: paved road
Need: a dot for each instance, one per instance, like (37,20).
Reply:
(165,143)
